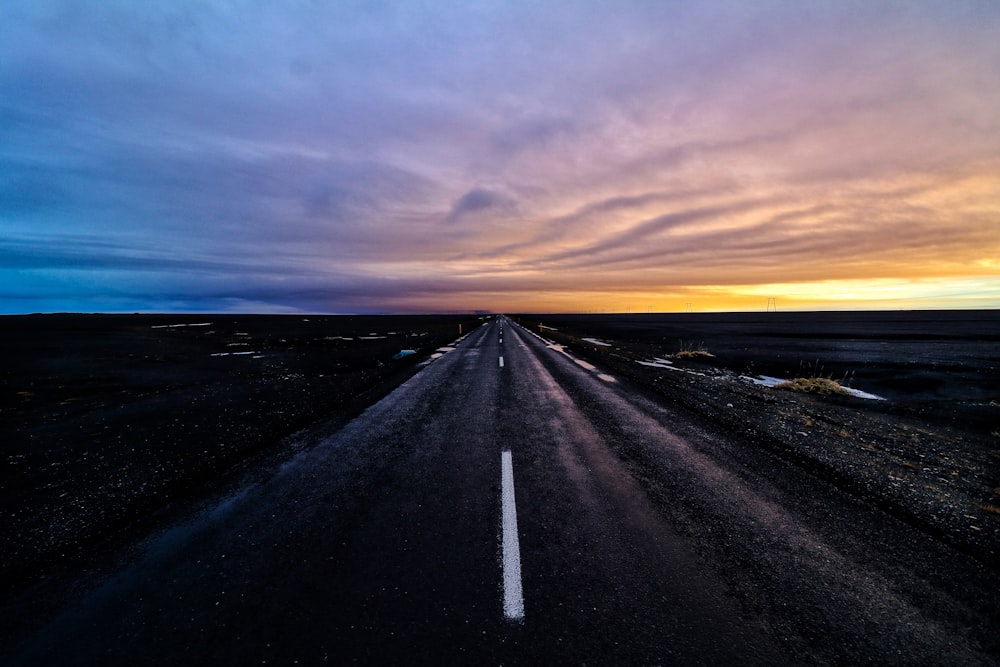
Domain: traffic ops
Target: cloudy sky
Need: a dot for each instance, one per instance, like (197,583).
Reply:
(238,155)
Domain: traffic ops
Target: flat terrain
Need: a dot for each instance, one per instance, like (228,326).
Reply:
(527,499)
(106,420)
(944,359)
(925,445)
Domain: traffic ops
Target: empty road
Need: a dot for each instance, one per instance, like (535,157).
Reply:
(512,504)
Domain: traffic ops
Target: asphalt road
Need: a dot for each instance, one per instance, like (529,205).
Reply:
(511,504)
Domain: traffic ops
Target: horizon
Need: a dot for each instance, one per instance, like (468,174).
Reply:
(234,157)
(482,314)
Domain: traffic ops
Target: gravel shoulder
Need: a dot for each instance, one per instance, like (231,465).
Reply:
(924,469)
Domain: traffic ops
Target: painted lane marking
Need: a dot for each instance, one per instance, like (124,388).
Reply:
(513,599)
(579,362)
(501,362)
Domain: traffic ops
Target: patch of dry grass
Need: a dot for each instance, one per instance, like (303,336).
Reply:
(814,385)
(693,354)
(989,508)
(692,351)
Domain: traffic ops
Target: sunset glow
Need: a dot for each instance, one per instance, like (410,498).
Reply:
(563,156)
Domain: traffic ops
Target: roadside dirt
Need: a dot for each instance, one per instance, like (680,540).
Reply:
(107,420)
(913,460)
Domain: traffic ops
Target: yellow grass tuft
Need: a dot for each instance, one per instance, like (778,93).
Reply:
(692,351)
(812,386)
(693,354)
(989,508)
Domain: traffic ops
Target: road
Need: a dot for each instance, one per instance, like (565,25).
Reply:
(512,504)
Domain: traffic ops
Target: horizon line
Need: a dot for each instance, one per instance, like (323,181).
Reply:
(481,313)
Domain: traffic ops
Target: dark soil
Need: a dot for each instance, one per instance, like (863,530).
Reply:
(106,420)
(929,455)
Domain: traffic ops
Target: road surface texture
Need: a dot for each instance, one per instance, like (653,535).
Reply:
(511,504)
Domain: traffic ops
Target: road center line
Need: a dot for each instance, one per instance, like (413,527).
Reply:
(501,362)
(513,600)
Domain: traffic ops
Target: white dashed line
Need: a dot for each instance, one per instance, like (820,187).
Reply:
(513,599)
(501,362)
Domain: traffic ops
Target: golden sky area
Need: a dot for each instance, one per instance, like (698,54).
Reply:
(525,157)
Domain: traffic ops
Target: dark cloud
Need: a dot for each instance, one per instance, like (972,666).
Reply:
(92,254)
(480,201)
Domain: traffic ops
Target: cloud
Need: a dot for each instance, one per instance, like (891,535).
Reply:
(638,235)
(480,201)
(333,154)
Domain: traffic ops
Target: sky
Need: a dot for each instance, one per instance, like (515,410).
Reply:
(583,156)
